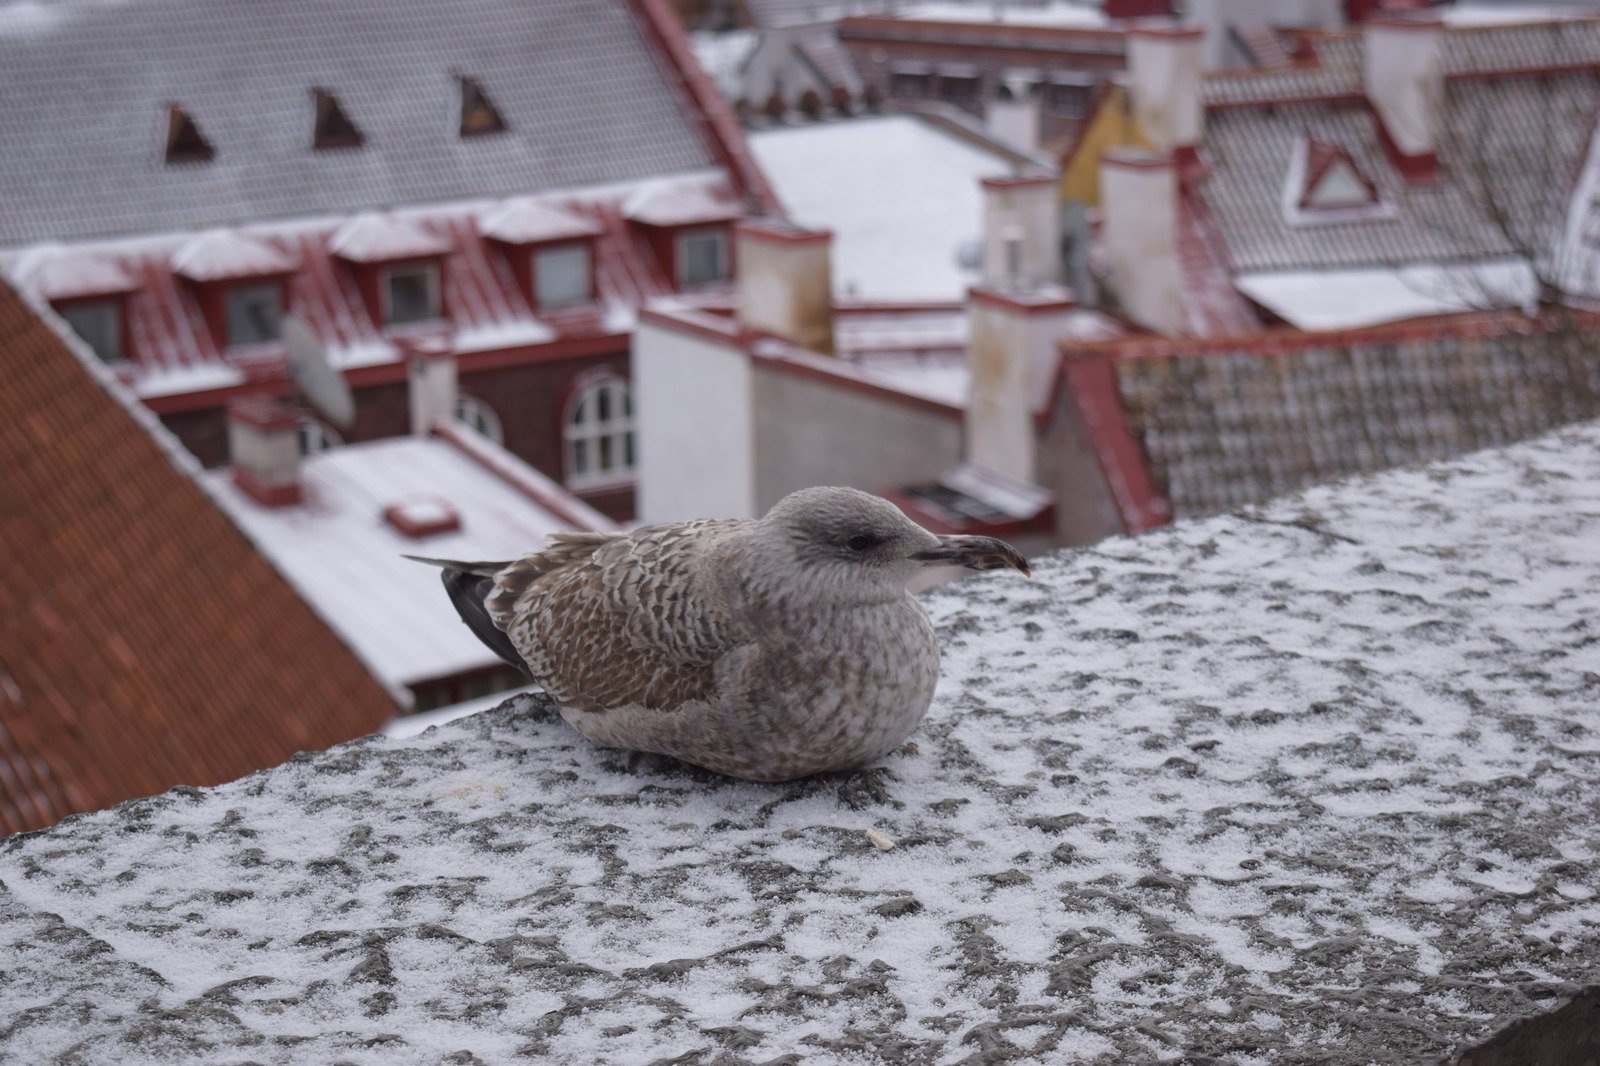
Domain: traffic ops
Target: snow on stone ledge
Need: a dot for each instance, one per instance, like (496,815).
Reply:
(1315,783)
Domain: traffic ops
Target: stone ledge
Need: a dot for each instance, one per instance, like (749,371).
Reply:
(1311,783)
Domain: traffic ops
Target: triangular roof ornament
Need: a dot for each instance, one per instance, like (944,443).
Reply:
(185,142)
(333,128)
(478,113)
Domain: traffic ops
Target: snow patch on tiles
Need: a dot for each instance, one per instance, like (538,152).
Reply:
(1322,300)
(336,549)
(221,255)
(177,380)
(1057,14)
(491,336)
(900,195)
(1465,13)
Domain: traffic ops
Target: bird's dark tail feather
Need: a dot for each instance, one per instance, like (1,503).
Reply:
(468,585)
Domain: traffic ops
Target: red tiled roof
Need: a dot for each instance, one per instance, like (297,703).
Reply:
(165,330)
(143,642)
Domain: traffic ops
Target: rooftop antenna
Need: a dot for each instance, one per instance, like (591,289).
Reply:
(309,368)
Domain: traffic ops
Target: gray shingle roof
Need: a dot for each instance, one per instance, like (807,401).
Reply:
(1474,51)
(1516,144)
(1223,429)
(85,88)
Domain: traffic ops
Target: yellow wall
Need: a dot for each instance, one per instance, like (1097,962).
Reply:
(1110,126)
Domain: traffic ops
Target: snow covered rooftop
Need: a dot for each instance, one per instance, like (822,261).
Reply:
(900,195)
(345,559)
(1321,300)
(1310,783)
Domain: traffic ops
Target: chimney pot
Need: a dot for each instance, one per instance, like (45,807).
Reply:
(1164,62)
(1021,231)
(1139,230)
(431,372)
(264,445)
(1013,359)
(1403,73)
(785,281)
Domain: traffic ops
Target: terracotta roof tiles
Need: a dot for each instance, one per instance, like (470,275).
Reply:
(143,642)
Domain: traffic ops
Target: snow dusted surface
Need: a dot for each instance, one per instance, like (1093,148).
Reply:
(900,195)
(1312,783)
(1319,300)
(345,560)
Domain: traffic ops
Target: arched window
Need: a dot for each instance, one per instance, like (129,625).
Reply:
(599,434)
(316,436)
(480,416)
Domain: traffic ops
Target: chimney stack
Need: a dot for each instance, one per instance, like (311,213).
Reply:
(1164,83)
(431,371)
(1404,78)
(1013,357)
(785,282)
(1012,115)
(1021,232)
(264,445)
(1139,230)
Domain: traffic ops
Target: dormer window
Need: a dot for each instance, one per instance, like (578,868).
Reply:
(563,275)
(253,314)
(478,114)
(1324,184)
(333,128)
(410,294)
(98,323)
(185,142)
(702,257)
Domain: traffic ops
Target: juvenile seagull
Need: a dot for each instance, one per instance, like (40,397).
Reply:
(766,649)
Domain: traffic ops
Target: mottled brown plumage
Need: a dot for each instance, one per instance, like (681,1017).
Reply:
(766,649)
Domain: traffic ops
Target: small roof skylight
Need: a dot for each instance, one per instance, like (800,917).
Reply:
(333,128)
(185,142)
(478,114)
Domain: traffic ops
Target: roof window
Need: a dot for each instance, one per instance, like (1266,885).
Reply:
(185,142)
(1324,183)
(478,115)
(333,129)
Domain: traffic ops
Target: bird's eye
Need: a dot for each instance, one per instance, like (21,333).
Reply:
(861,542)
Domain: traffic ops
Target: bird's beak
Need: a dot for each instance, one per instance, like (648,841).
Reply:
(975,553)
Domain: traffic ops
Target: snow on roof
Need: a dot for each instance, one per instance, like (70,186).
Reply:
(222,255)
(900,195)
(1313,782)
(1468,13)
(371,238)
(722,56)
(525,221)
(1058,14)
(346,561)
(1320,300)
(57,273)
(682,201)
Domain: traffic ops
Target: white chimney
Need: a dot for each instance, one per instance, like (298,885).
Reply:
(1013,357)
(431,367)
(1139,231)
(1404,79)
(1164,83)
(785,282)
(1012,115)
(1021,232)
(264,446)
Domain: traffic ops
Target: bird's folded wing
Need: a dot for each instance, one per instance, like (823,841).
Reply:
(609,620)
